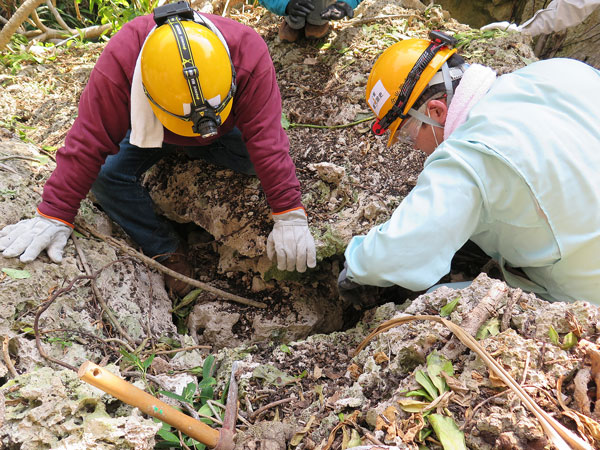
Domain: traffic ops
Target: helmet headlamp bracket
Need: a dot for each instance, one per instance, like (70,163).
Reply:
(438,40)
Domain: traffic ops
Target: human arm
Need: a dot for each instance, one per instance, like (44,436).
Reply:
(257,109)
(101,123)
(557,16)
(415,247)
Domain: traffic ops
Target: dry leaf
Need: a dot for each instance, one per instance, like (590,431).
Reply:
(317,373)
(495,380)
(476,376)
(412,427)
(586,426)
(558,435)
(354,371)
(454,384)
(380,358)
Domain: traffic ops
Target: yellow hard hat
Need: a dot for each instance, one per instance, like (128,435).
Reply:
(400,75)
(164,66)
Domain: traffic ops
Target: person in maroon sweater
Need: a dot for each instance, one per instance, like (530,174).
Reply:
(178,81)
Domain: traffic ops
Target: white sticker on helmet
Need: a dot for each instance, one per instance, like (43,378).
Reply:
(215,101)
(378,96)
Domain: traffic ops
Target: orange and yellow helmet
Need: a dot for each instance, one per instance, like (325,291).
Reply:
(188,77)
(401,74)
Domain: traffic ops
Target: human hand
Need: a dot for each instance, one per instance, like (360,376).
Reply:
(337,11)
(347,288)
(291,242)
(299,8)
(504,26)
(30,236)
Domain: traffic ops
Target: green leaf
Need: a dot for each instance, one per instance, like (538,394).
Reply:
(207,368)
(412,406)
(420,393)
(491,327)
(449,307)
(553,336)
(447,432)
(169,437)
(148,361)
(272,375)
(426,382)
(285,123)
(285,349)
(189,391)
(355,440)
(569,341)
(436,363)
(174,396)
(16,274)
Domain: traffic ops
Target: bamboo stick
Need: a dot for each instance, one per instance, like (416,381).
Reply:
(117,387)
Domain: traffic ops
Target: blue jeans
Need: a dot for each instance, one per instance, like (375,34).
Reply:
(128,203)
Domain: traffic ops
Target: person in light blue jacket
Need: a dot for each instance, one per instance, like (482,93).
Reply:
(513,165)
(312,16)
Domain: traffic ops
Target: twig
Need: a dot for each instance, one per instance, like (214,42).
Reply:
(27,158)
(557,434)
(156,265)
(516,295)
(352,23)
(97,294)
(6,354)
(525,369)
(220,405)
(261,410)
(59,18)
(44,306)
(330,127)
(181,442)
(183,349)
(486,308)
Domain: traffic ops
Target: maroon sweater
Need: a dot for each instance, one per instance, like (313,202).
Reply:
(104,119)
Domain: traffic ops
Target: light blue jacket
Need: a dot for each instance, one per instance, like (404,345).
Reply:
(278,6)
(520,178)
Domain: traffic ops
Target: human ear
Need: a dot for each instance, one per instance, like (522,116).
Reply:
(437,110)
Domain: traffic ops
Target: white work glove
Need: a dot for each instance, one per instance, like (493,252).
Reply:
(30,236)
(291,242)
(504,26)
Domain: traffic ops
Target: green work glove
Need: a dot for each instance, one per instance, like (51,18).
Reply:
(291,242)
(30,236)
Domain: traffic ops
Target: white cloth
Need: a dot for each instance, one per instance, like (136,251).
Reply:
(146,129)
(475,83)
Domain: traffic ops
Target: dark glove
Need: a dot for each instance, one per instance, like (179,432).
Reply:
(347,288)
(299,8)
(337,11)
